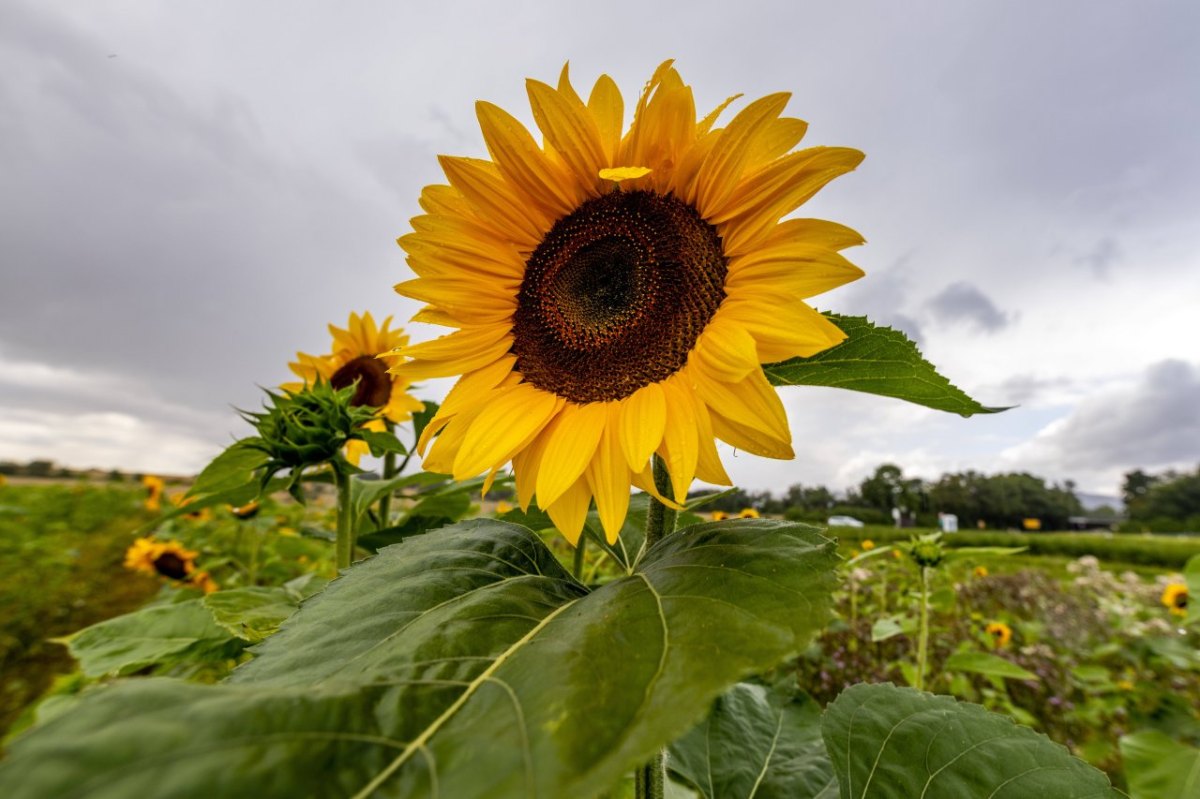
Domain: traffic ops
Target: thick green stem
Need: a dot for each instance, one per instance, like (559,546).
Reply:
(389,471)
(650,780)
(852,642)
(923,630)
(660,521)
(345,521)
(580,548)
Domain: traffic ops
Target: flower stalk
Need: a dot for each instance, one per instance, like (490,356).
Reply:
(923,630)
(345,520)
(389,471)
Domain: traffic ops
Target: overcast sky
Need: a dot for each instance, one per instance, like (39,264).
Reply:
(189,191)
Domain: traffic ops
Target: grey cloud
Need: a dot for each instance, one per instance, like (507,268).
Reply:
(1101,258)
(963,302)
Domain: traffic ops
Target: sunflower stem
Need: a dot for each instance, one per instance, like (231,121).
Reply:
(580,547)
(650,781)
(345,521)
(389,471)
(923,630)
(660,521)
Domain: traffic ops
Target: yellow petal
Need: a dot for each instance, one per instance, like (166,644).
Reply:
(489,194)
(800,270)
(710,119)
(620,173)
(608,109)
(527,462)
(817,232)
(679,448)
(570,130)
(708,463)
(645,481)
(751,401)
(643,419)
(569,511)
(751,441)
(608,476)
(777,140)
(782,328)
(569,449)
(727,349)
(727,161)
(511,417)
(522,162)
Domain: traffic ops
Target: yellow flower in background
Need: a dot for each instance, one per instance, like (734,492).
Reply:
(355,357)
(719,516)
(503,507)
(1000,632)
(181,500)
(980,571)
(247,511)
(868,545)
(1175,598)
(615,291)
(1125,685)
(748,513)
(154,490)
(3,481)
(896,554)
(163,558)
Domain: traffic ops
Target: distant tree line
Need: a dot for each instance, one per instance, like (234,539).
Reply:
(1166,502)
(45,468)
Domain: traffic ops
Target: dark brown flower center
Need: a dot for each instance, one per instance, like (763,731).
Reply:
(616,295)
(1181,600)
(171,565)
(374,386)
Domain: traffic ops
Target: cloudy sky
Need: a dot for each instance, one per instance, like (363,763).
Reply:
(191,190)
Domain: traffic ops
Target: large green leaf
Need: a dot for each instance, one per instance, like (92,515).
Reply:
(1158,767)
(462,663)
(254,612)
(152,636)
(887,742)
(231,469)
(1191,574)
(875,360)
(757,742)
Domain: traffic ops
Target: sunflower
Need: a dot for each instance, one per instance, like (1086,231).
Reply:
(1000,632)
(980,571)
(868,545)
(247,511)
(748,513)
(355,357)
(154,491)
(719,516)
(164,558)
(1175,598)
(181,500)
(616,291)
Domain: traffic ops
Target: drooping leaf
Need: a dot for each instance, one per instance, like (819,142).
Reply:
(887,742)
(1158,767)
(875,360)
(382,442)
(252,613)
(757,742)
(885,628)
(231,469)
(987,664)
(1191,574)
(466,657)
(151,636)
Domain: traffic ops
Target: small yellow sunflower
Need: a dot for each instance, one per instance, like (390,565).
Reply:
(181,500)
(719,516)
(1125,685)
(896,554)
(355,356)
(154,491)
(980,571)
(1000,632)
(1175,598)
(868,545)
(163,558)
(748,513)
(503,507)
(616,291)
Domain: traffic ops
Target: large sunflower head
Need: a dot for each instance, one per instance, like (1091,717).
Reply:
(355,360)
(168,559)
(616,289)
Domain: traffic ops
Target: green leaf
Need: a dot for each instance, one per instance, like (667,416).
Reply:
(382,442)
(151,636)
(887,742)
(1158,767)
(630,545)
(1191,575)
(429,513)
(886,628)
(231,469)
(756,742)
(252,613)
(422,418)
(467,656)
(875,360)
(987,664)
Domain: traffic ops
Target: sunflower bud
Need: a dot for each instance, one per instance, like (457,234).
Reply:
(308,427)
(927,553)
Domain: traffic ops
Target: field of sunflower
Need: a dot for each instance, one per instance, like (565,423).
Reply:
(621,297)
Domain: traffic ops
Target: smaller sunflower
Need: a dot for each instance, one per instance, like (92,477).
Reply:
(168,559)
(503,507)
(356,358)
(896,555)
(1000,633)
(181,500)
(1175,598)
(980,571)
(154,491)
(1125,685)
(868,545)
(748,513)
(719,516)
